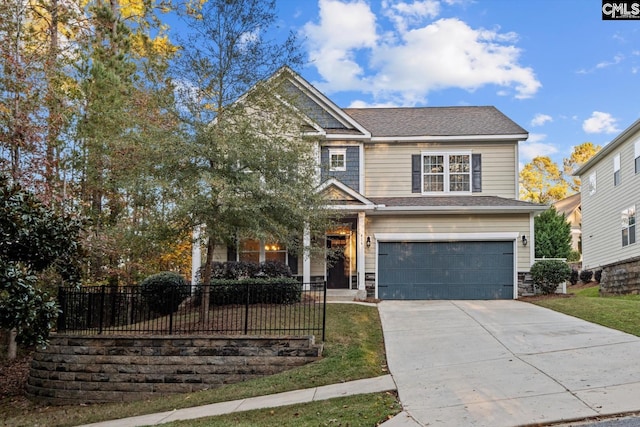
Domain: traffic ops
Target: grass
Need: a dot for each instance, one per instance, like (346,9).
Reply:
(354,349)
(617,312)
(364,410)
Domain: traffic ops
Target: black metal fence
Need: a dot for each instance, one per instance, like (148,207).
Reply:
(239,309)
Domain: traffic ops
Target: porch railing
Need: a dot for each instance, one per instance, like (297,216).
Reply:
(243,309)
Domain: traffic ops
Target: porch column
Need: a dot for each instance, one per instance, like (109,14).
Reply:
(196,255)
(360,242)
(306,258)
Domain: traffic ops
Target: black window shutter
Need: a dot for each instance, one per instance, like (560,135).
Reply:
(292,262)
(416,173)
(231,253)
(476,172)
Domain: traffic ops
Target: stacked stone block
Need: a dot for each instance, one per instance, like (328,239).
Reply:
(80,369)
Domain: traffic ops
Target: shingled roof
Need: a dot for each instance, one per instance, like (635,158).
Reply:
(436,202)
(434,121)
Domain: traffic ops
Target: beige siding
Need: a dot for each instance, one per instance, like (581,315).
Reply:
(388,167)
(518,223)
(601,212)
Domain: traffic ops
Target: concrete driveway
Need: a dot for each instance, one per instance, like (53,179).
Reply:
(505,363)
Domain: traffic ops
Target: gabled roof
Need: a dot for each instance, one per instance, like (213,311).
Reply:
(484,121)
(341,196)
(617,141)
(568,205)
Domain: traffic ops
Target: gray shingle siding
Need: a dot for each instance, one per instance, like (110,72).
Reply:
(351,176)
(315,112)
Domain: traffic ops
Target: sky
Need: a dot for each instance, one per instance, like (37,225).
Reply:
(553,66)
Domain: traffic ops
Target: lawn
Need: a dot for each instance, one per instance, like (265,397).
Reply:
(354,349)
(617,312)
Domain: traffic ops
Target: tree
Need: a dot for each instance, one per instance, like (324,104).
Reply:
(579,156)
(552,235)
(34,239)
(245,169)
(541,181)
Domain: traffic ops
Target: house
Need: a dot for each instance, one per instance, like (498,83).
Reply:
(610,197)
(428,199)
(570,207)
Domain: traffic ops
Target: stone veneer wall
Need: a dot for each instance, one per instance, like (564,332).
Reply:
(621,278)
(82,369)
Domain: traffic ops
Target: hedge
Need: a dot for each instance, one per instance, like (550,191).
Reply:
(252,291)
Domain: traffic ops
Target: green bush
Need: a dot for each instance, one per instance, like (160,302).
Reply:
(252,291)
(573,278)
(163,292)
(548,274)
(586,275)
(574,256)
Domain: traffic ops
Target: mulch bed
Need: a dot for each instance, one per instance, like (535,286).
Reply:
(13,378)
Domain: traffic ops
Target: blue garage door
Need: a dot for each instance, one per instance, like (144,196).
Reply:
(445,270)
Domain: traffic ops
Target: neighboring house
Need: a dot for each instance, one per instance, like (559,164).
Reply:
(610,198)
(428,199)
(571,209)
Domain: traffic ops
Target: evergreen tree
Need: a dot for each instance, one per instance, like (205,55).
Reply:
(552,235)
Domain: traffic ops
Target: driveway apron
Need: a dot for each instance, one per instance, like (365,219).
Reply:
(506,363)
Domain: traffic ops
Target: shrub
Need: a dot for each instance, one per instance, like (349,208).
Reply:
(573,278)
(548,274)
(574,256)
(275,269)
(585,276)
(163,292)
(252,291)
(597,276)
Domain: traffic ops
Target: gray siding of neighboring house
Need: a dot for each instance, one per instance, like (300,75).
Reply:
(351,176)
(602,210)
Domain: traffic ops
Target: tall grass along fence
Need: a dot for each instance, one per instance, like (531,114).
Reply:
(247,307)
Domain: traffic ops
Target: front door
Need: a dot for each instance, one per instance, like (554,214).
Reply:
(338,271)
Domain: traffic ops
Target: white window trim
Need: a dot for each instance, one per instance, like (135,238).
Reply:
(337,152)
(592,183)
(628,227)
(636,152)
(616,170)
(446,155)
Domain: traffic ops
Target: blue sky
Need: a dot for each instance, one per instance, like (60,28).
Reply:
(553,66)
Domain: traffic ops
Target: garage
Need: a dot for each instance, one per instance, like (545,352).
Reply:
(446,270)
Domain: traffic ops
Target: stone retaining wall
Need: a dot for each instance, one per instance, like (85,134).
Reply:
(81,369)
(621,278)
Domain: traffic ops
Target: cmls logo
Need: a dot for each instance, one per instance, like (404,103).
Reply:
(620,10)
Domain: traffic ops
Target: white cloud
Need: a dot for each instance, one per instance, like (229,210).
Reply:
(600,122)
(541,119)
(344,28)
(534,147)
(415,57)
(404,14)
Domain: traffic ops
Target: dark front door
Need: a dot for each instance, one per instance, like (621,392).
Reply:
(338,271)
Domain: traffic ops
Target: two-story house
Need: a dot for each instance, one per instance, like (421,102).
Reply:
(610,198)
(428,199)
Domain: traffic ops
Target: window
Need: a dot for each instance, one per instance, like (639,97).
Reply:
(256,251)
(446,172)
(616,170)
(338,159)
(629,226)
(637,155)
(592,184)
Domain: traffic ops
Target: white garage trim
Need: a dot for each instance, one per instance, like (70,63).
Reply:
(451,237)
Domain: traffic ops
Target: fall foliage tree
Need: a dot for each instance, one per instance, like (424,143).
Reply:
(541,181)
(579,156)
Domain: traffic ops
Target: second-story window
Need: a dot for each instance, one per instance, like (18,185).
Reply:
(616,170)
(592,184)
(629,226)
(636,152)
(338,159)
(446,172)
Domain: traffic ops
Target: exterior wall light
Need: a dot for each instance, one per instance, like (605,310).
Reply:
(368,241)
(524,240)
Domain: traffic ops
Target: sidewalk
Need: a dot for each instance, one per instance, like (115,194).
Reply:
(368,385)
